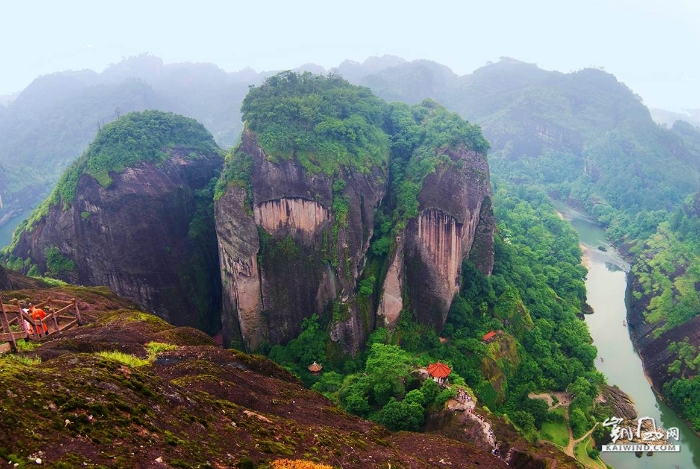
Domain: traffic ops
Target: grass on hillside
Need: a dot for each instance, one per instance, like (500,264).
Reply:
(581,453)
(129,360)
(557,432)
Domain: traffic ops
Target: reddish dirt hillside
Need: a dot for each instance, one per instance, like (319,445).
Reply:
(195,405)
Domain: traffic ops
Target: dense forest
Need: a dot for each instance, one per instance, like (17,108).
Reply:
(582,137)
(535,297)
(586,139)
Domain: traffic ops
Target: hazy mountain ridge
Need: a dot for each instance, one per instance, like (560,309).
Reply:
(584,135)
(51,122)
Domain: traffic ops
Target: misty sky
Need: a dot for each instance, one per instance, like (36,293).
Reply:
(651,45)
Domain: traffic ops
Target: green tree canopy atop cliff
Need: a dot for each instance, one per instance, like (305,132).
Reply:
(323,121)
(136,137)
(131,139)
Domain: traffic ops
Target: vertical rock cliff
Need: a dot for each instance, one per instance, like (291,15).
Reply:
(451,219)
(296,209)
(287,254)
(142,226)
(455,214)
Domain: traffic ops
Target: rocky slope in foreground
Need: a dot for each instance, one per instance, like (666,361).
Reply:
(195,405)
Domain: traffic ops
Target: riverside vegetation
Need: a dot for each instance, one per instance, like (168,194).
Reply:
(536,289)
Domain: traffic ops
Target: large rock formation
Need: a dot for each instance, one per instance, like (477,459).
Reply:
(289,256)
(455,214)
(296,217)
(148,233)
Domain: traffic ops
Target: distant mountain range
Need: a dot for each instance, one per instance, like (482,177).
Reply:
(522,109)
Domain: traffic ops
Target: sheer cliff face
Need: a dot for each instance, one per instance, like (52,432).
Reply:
(653,346)
(455,221)
(146,237)
(294,250)
(289,255)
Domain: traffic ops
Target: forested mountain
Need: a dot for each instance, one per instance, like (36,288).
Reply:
(351,232)
(52,121)
(587,139)
(582,137)
(321,165)
(135,213)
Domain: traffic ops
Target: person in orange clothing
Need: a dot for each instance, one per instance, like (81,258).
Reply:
(38,314)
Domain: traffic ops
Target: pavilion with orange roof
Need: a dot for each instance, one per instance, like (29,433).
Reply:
(439,371)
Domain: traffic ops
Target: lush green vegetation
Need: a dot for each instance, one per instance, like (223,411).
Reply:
(200,273)
(125,358)
(136,137)
(587,139)
(324,122)
(57,262)
(668,272)
(535,296)
(555,429)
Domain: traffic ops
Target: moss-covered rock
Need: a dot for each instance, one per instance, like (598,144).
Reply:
(186,406)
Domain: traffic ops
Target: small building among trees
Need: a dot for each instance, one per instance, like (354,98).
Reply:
(315,368)
(439,372)
(488,337)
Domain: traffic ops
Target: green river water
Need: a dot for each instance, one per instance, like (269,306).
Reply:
(606,287)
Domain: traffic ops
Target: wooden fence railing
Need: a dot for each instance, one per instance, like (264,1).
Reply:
(16,323)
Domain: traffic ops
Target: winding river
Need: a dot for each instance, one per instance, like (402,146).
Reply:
(606,287)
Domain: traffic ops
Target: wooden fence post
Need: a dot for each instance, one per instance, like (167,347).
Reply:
(55,321)
(6,325)
(77,312)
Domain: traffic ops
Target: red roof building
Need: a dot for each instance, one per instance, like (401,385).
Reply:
(439,370)
(315,367)
(488,336)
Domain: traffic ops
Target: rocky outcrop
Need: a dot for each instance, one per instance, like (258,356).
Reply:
(239,247)
(621,404)
(146,236)
(289,255)
(297,217)
(391,302)
(652,346)
(455,214)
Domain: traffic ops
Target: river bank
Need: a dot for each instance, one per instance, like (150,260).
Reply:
(618,360)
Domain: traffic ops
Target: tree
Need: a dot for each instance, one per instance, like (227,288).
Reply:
(578,422)
(524,420)
(387,368)
(402,415)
